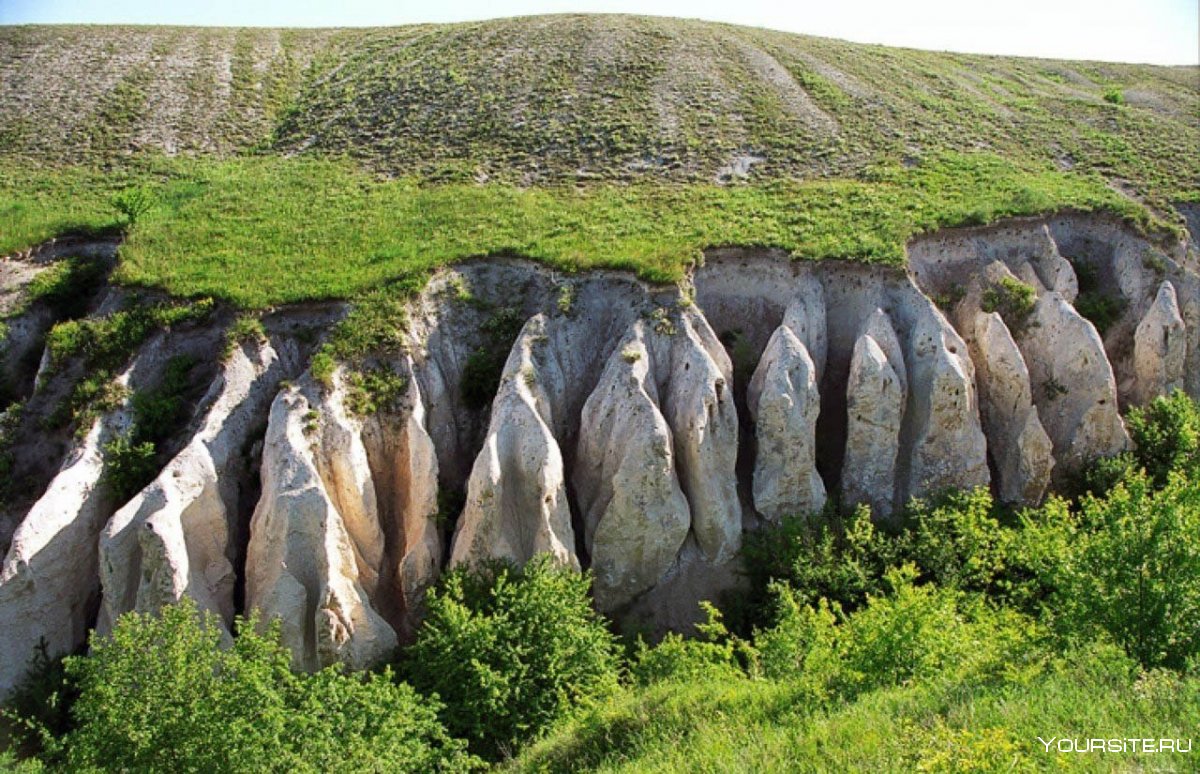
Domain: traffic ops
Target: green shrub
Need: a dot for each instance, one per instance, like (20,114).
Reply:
(956,540)
(129,465)
(842,559)
(1114,96)
(132,203)
(911,634)
(374,389)
(130,460)
(715,655)
(1099,309)
(1166,436)
(1128,565)
(1013,299)
(39,708)
(67,285)
(511,651)
(245,328)
(162,695)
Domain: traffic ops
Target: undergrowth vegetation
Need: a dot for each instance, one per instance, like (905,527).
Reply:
(951,645)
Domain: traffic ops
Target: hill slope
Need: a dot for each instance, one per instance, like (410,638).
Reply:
(567,98)
(285,165)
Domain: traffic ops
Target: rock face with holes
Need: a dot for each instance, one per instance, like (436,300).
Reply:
(629,429)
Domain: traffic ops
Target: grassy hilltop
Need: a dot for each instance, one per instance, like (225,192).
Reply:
(281,165)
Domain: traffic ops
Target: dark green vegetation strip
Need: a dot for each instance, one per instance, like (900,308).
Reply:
(268,230)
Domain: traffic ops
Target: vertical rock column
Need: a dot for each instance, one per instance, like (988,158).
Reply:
(316,546)
(1160,347)
(699,407)
(876,393)
(173,538)
(943,446)
(49,581)
(1020,448)
(1072,384)
(516,495)
(635,515)
(784,403)
(405,472)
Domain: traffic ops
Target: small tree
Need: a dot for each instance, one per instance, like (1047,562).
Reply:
(511,650)
(1131,567)
(131,204)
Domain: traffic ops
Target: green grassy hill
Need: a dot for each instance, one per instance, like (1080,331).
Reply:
(566,138)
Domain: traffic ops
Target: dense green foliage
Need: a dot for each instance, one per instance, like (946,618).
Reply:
(511,651)
(950,645)
(161,695)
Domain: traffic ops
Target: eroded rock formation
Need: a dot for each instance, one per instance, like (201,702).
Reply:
(635,431)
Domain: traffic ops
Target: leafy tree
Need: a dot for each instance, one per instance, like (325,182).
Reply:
(1129,564)
(510,651)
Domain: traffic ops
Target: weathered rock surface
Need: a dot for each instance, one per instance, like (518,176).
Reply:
(1073,385)
(174,537)
(316,546)
(635,515)
(943,444)
(1160,347)
(784,403)
(875,408)
(613,441)
(699,408)
(1019,446)
(516,495)
(49,581)
(404,470)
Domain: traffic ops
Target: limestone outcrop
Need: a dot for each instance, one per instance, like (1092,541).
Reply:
(516,495)
(1020,447)
(634,512)
(174,538)
(316,545)
(49,580)
(944,444)
(1160,347)
(636,430)
(1073,385)
(699,407)
(875,408)
(784,403)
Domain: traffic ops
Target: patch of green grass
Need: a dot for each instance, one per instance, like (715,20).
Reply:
(245,328)
(65,286)
(131,459)
(767,726)
(104,346)
(373,390)
(262,231)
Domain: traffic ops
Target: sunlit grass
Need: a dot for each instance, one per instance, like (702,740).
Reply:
(267,230)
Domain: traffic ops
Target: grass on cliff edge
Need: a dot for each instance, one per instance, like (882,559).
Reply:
(260,231)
